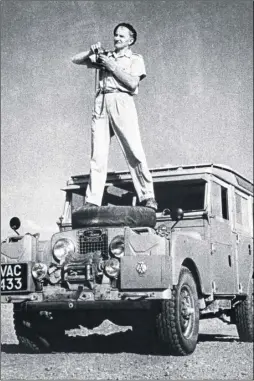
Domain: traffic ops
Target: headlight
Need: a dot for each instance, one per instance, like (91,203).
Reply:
(39,271)
(117,246)
(112,268)
(62,247)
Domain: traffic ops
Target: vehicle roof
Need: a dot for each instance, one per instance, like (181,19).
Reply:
(161,174)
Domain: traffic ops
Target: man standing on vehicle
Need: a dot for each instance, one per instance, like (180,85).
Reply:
(115,113)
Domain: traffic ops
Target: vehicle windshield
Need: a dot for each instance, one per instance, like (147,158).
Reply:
(187,195)
(113,195)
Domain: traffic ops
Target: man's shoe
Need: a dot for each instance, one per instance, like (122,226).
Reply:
(90,205)
(151,203)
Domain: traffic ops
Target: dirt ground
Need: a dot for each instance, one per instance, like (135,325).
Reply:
(110,352)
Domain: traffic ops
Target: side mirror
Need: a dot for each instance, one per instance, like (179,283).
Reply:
(166,212)
(177,214)
(15,224)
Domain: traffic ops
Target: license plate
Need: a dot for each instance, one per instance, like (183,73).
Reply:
(13,277)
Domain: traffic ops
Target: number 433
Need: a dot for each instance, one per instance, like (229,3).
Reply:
(11,284)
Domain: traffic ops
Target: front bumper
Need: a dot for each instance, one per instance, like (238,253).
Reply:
(81,305)
(56,298)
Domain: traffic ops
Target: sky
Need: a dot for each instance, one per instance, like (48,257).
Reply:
(195,106)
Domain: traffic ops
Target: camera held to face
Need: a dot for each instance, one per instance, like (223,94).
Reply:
(100,52)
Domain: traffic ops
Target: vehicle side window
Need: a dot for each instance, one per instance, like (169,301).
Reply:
(67,208)
(224,203)
(220,201)
(241,207)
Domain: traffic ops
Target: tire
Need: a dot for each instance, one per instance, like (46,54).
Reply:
(178,328)
(29,340)
(244,317)
(132,216)
(34,334)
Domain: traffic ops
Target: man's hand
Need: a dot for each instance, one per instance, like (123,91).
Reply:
(107,62)
(95,48)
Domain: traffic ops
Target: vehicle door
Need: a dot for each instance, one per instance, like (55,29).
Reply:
(243,228)
(222,256)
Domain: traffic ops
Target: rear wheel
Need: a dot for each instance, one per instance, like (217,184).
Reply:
(178,320)
(244,316)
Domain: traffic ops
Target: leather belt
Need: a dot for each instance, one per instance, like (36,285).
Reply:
(109,91)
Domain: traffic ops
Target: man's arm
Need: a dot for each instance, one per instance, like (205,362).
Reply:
(82,58)
(128,80)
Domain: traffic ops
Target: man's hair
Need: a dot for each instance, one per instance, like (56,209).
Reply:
(131,29)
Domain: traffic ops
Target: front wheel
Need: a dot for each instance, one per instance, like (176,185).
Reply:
(35,334)
(178,320)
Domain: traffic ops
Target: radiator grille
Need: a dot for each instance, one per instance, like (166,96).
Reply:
(94,240)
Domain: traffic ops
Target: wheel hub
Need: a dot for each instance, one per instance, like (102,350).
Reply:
(187,311)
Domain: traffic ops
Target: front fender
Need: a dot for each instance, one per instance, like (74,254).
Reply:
(186,247)
(19,249)
(146,263)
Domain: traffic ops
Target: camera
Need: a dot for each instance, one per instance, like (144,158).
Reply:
(99,53)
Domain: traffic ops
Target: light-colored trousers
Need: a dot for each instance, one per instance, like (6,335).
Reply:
(117,111)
